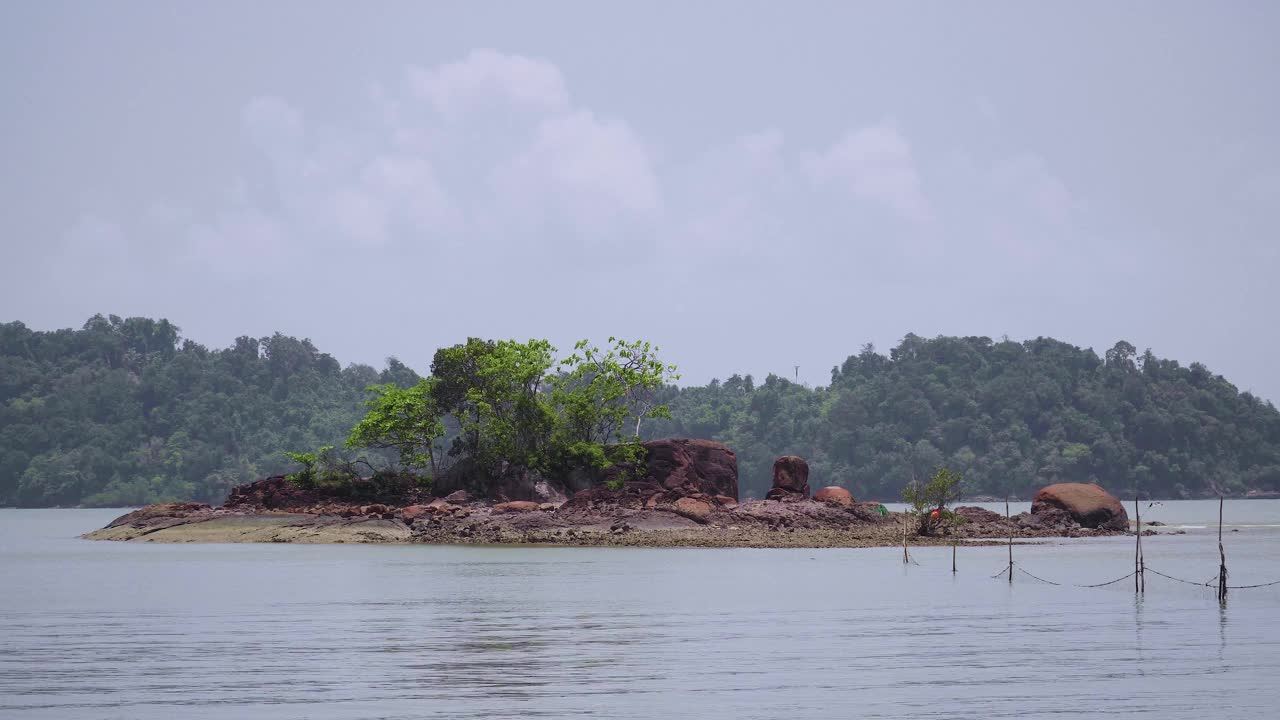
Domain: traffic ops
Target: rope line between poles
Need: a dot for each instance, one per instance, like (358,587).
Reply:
(1050,582)
(1212,583)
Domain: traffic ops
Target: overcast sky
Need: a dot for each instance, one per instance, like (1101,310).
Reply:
(751,186)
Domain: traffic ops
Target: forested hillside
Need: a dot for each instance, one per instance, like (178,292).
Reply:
(126,412)
(1009,416)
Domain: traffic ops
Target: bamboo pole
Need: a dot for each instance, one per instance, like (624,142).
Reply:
(906,559)
(1008,516)
(1222,558)
(1142,559)
(1137,546)
(953,556)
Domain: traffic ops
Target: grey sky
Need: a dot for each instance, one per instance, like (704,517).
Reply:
(751,185)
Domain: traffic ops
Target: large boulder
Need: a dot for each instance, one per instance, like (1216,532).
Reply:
(834,495)
(790,478)
(515,506)
(415,512)
(1086,503)
(693,466)
(695,510)
(516,483)
(975,514)
(682,467)
(159,512)
(458,496)
(274,493)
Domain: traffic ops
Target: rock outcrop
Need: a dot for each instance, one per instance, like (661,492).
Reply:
(1086,503)
(975,514)
(516,506)
(674,468)
(834,495)
(160,513)
(790,479)
(273,493)
(691,467)
(696,510)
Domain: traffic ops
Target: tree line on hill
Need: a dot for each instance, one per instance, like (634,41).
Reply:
(125,412)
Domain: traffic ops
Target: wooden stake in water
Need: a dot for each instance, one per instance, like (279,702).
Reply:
(1222,559)
(1137,546)
(1142,559)
(1009,517)
(905,557)
(953,556)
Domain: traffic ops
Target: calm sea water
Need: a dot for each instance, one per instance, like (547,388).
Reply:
(113,630)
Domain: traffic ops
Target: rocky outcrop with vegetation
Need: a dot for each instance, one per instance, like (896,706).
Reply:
(678,505)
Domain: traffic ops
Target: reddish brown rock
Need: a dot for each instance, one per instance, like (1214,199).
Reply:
(695,510)
(978,515)
(1086,503)
(727,501)
(458,496)
(547,507)
(413,512)
(834,495)
(682,466)
(691,466)
(158,511)
(515,506)
(364,495)
(790,478)
(273,493)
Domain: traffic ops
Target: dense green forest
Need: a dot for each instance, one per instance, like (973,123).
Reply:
(1010,416)
(125,411)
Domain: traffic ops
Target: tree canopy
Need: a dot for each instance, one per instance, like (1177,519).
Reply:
(1009,416)
(125,411)
(509,403)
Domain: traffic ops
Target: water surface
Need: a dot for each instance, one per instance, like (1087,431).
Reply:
(116,630)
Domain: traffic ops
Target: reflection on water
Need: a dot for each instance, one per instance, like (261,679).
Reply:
(105,630)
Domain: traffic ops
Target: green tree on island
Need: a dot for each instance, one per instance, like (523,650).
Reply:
(928,502)
(507,405)
(406,420)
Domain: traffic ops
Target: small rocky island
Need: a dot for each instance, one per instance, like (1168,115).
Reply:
(686,495)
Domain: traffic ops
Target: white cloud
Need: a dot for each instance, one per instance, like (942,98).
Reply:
(96,240)
(1026,177)
(443,159)
(733,201)
(272,124)
(485,76)
(874,163)
(243,241)
(489,160)
(589,171)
